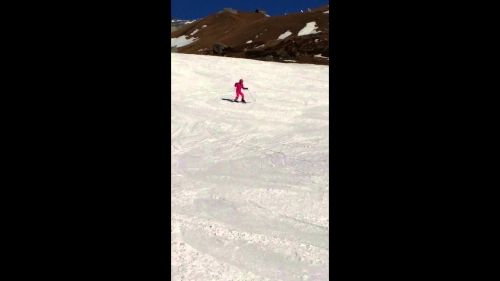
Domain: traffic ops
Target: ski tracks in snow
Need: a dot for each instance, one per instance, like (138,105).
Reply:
(249,181)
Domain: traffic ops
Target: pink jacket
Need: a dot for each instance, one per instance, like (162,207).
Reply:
(239,86)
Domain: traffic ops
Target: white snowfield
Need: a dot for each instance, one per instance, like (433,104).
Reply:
(320,56)
(310,28)
(285,35)
(181,41)
(250,181)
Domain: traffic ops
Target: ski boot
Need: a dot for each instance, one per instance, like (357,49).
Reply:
(235,100)
(243,101)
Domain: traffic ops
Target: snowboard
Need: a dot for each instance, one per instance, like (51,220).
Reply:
(231,100)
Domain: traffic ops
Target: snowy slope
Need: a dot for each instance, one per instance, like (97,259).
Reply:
(181,41)
(249,181)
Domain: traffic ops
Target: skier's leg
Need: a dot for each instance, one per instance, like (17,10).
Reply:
(238,94)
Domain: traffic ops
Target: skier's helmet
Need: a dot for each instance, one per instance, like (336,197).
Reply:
(241,80)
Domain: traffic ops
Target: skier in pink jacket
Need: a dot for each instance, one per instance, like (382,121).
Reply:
(239,86)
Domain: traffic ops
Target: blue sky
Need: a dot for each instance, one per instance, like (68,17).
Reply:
(193,9)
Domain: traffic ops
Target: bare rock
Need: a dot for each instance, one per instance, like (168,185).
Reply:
(219,48)
(272,43)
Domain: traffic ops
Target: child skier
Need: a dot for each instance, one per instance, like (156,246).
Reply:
(239,86)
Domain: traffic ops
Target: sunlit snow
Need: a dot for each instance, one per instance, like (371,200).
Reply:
(250,184)
(285,35)
(310,28)
(181,41)
(320,56)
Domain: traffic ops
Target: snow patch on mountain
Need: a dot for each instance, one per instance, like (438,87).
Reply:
(182,41)
(310,28)
(320,56)
(285,35)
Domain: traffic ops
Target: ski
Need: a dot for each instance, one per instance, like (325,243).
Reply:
(234,101)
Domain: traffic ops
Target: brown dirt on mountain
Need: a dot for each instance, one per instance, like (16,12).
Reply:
(231,32)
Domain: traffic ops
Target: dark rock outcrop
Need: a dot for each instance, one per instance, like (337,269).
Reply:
(219,48)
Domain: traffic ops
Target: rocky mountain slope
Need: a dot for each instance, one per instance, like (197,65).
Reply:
(176,24)
(299,37)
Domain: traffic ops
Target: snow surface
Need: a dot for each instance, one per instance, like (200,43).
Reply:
(249,41)
(320,56)
(285,35)
(310,28)
(327,12)
(194,32)
(181,41)
(249,181)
